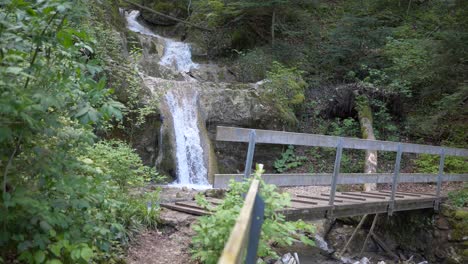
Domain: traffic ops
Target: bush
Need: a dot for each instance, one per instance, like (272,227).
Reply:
(430,164)
(117,160)
(213,231)
(72,210)
(288,160)
(251,66)
(459,198)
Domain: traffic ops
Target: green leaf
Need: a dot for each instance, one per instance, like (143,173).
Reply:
(75,254)
(86,253)
(54,261)
(56,249)
(39,256)
(13,70)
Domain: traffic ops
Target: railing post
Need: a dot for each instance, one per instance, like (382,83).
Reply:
(255,230)
(250,154)
(336,171)
(396,172)
(439,179)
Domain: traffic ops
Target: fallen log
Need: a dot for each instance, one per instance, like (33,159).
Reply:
(167,16)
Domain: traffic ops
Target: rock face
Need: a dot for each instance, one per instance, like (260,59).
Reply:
(221,104)
(166,65)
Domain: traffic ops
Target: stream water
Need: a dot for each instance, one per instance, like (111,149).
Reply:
(183,107)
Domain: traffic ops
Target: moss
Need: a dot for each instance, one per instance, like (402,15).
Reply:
(363,107)
(461,215)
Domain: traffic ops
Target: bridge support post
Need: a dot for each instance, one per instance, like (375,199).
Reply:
(336,172)
(250,154)
(439,179)
(396,172)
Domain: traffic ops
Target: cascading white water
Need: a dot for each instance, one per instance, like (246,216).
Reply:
(191,168)
(182,104)
(177,54)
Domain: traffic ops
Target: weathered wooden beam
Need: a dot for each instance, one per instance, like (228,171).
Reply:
(235,247)
(305,179)
(235,134)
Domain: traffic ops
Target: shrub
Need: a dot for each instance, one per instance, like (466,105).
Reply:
(288,160)
(116,159)
(430,164)
(72,210)
(459,198)
(213,231)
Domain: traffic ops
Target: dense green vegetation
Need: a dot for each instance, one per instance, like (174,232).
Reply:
(411,54)
(64,198)
(213,231)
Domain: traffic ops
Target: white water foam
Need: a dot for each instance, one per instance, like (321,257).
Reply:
(191,168)
(177,55)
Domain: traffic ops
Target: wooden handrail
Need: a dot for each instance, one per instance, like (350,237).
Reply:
(235,134)
(237,243)
(304,179)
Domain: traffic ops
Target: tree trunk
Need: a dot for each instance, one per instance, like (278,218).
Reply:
(273,28)
(365,119)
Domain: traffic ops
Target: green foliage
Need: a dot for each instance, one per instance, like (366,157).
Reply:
(288,160)
(285,88)
(251,66)
(62,200)
(459,198)
(348,127)
(213,231)
(118,160)
(430,164)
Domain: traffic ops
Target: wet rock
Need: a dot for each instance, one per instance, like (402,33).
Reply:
(288,258)
(442,223)
(215,193)
(176,219)
(364,260)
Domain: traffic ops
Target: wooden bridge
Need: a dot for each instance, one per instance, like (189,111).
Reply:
(325,205)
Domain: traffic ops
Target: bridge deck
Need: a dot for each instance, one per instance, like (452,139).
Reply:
(313,207)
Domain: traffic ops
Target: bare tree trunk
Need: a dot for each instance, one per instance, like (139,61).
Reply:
(365,119)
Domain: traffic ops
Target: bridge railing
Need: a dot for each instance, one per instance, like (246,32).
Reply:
(245,235)
(254,136)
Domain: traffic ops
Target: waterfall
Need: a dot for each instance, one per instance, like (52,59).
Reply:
(191,169)
(182,103)
(177,55)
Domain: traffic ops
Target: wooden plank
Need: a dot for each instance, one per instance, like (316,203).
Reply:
(305,179)
(364,195)
(413,194)
(317,198)
(384,194)
(193,205)
(345,197)
(185,209)
(235,247)
(235,134)
(303,201)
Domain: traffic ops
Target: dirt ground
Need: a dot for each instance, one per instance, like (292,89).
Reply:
(170,244)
